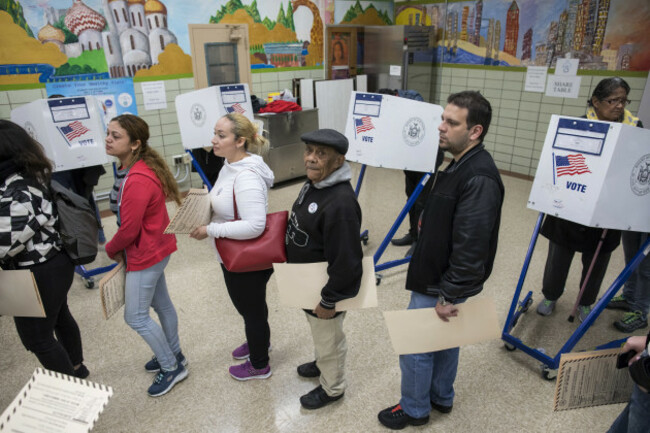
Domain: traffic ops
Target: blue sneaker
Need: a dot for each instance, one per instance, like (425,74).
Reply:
(165,381)
(153,366)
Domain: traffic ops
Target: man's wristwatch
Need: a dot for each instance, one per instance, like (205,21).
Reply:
(442,301)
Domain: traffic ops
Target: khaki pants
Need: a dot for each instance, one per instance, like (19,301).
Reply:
(330,349)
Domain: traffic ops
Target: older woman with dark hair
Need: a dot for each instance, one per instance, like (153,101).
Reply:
(29,240)
(607,103)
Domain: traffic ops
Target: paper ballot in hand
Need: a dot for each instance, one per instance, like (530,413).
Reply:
(194,212)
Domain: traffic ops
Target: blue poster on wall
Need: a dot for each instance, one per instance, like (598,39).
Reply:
(117,96)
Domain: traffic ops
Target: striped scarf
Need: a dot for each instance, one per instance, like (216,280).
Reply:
(119,177)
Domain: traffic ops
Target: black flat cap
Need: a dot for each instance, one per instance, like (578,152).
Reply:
(327,137)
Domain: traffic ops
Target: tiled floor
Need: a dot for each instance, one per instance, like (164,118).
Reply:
(496,390)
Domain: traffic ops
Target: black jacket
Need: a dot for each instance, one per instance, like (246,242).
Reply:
(324,225)
(459,229)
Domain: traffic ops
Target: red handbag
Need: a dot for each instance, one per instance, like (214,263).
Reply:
(248,255)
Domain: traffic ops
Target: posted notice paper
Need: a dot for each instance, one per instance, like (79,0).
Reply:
(194,212)
(421,330)
(55,403)
(19,295)
(111,290)
(588,379)
(300,284)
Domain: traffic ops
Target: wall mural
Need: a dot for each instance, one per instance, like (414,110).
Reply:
(63,40)
(369,13)
(603,34)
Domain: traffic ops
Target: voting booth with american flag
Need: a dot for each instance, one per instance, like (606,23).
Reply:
(199,110)
(392,132)
(594,173)
(71,130)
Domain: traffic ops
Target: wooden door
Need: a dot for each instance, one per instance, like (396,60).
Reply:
(220,54)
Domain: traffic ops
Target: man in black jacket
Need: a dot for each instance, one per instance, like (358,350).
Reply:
(454,254)
(324,226)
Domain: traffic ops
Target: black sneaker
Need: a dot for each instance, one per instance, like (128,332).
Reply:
(165,381)
(153,366)
(631,322)
(309,369)
(81,372)
(317,398)
(395,418)
(440,408)
(619,303)
(403,241)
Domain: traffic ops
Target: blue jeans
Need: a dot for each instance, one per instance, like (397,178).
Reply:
(637,287)
(148,288)
(635,417)
(427,377)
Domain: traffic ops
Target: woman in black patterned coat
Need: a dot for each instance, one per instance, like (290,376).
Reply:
(29,240)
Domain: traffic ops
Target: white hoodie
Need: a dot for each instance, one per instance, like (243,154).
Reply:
(253,178)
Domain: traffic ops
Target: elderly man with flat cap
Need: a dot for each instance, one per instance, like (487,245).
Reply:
(324,226)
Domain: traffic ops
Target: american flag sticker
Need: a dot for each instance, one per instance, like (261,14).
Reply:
(236,108)
(363,124)
(73,130)
(570,165)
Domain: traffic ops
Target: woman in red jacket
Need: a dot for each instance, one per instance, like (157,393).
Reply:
(140,242)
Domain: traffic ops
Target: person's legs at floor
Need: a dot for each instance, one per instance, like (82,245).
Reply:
(429,376)
(164,308)
(638,294)
(139,291)
(634,418)
(53,279)
(558,262)
(247,292)
(330,347)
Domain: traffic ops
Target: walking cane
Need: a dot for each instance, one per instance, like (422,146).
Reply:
(591,268)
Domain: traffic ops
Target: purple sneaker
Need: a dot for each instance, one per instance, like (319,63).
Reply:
(243,352)
(246,371)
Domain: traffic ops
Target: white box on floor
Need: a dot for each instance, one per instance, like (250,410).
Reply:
(393,132)
(71,130)
(594,173)
(199,110)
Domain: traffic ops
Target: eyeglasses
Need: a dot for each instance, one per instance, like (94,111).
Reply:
(623,102)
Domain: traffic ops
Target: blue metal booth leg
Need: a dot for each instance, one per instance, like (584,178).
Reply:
(517,308)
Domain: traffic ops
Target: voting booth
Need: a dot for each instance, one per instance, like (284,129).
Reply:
(198,111)
(594,173)
(71,130)
(392,132)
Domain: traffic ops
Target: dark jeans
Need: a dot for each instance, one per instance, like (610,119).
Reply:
(635,417)
(412,179)
(53,279)
(557,267)
(247,291)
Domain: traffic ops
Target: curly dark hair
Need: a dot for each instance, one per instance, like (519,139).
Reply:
(18,146)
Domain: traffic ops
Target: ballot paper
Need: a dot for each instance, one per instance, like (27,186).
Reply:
(300,285)
(421,330)
(588,379)
(193,213)
(55,403)
(111,290)
(19,295)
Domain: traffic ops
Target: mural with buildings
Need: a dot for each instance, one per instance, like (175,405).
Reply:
(134,38)
(603,34)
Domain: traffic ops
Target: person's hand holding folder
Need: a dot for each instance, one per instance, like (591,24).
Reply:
(446,311)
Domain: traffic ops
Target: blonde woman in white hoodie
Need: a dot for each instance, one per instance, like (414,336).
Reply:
(247,176)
